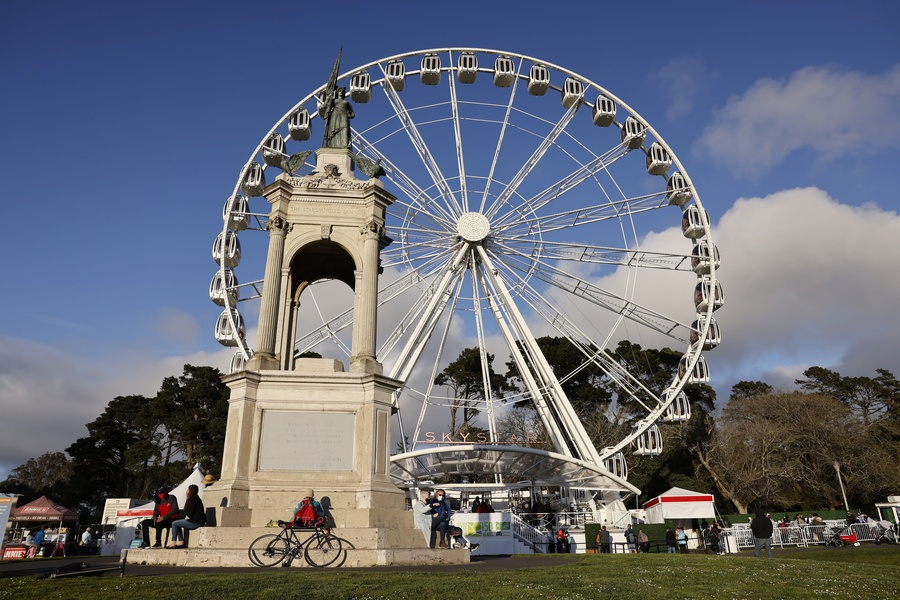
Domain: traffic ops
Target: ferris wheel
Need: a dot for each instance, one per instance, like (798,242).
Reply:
(531,202)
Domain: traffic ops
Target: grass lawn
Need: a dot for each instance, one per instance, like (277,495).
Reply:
(865,572)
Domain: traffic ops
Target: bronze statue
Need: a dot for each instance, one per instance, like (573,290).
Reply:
(338,113)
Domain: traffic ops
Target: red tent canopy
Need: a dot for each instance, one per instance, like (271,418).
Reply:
(43,510)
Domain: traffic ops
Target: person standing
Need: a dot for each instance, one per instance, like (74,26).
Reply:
(713,536)
(682,540)
(85,542)
(629,538)
(562,542)
(604,539)
(643,542)
(670,541)
(194,517)
(762,529)
(39,541)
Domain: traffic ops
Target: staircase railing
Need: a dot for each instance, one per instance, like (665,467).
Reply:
(535,538)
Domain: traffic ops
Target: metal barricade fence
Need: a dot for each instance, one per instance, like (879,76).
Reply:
(806,535)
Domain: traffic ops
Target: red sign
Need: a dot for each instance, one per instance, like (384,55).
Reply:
(14,552)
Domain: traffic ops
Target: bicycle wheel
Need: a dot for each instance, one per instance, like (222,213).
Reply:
(269,550)
(322,550)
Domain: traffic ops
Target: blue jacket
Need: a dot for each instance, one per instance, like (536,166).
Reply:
(442,508)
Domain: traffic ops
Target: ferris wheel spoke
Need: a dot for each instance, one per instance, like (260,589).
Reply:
(584,215)
(256,286)
(420,200)
(539,152)
(603,255)
(616,304)
(457,133)
(442,342)
(438,300)
(577,440)
(501,137)
(418,142)
(594,352)
(558,189)
(415,314)
(407,281)
(413,259)
(482,352)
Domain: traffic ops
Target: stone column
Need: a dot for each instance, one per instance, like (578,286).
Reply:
(264,357)
(366,303)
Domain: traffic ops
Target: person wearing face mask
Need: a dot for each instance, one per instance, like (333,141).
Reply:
(440,517)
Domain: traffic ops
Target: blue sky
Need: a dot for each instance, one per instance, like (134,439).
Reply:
(124,126)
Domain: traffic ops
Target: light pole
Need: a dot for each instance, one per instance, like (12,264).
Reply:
(837,467)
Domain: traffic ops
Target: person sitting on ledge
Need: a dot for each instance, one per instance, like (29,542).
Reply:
(165,511)
(194,517)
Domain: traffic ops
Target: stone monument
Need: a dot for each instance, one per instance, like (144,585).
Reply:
(296,424)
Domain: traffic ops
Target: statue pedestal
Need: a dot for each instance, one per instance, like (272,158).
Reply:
(314,428)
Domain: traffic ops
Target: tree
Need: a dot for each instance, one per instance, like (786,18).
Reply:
(870,399)
(193,410)
(748,389)
(779,450)
(654,369)
(46,475)
(44,472)
(101,460)
(465,379)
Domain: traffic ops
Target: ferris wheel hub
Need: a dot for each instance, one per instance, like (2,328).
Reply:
(473,226)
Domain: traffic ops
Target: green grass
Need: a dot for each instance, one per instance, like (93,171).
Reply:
(823,573)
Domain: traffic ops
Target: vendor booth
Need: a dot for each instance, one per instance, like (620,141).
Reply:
(128,521)
(45,512)
(681,507)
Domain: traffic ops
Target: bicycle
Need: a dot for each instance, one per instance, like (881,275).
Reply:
(320,549)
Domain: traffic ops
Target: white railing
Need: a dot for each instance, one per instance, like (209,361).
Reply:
(809,535)
(536,539)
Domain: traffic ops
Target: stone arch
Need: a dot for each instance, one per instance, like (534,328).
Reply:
(322,259)
(311,262)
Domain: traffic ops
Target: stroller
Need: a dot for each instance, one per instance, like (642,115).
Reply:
(884,533)
(841,537)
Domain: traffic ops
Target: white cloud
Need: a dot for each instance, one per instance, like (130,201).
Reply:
(683,79)
(808,281)
(176,326)
(48,395)
(831,112)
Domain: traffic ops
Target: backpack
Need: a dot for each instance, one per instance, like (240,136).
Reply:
(306,515)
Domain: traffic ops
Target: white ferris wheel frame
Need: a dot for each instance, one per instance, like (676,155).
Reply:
(441,278)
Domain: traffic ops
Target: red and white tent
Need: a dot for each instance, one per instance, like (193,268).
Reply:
(679,503)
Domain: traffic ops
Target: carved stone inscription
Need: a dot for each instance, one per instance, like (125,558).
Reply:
(306,441)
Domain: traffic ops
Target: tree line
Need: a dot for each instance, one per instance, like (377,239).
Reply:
(135,445)
(765,448)
(768,448)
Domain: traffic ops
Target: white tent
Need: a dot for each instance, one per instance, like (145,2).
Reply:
(679,504)
(128,521)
